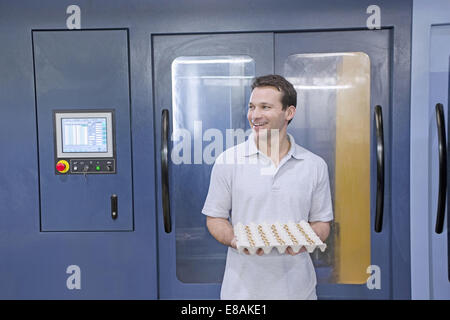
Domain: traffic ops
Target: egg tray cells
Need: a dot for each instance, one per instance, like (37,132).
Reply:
(267,236)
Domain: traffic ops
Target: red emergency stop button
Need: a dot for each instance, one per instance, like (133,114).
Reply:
(62,166)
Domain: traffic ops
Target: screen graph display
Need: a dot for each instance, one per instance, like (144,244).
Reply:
(84,135)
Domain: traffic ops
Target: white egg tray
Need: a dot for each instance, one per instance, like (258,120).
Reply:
(277,235)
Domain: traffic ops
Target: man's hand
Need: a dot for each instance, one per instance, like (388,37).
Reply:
(290,251)
(233,243)
(259,252)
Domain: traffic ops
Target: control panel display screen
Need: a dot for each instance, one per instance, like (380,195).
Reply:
(84,135)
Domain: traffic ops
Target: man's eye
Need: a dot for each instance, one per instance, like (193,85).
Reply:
(266,107)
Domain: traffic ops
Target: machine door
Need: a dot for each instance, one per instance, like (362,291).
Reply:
(202,87)
(83,117)
(343,113)
(429,152)
(438,104)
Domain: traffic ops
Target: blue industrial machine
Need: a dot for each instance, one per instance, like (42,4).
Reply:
(111,118)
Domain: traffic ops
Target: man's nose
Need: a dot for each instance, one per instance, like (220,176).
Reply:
(256,114)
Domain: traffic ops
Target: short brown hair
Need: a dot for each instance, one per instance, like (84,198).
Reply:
(289,97)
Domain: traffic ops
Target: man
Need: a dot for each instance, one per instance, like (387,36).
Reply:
(268,178)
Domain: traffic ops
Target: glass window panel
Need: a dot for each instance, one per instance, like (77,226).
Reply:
(333,121)
(208,93)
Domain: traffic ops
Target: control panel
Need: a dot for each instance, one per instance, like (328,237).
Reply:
(84,142)
(92,166)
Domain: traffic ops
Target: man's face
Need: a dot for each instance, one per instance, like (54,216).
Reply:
(265,110)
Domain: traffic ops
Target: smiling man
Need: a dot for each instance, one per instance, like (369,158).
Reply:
(296,188)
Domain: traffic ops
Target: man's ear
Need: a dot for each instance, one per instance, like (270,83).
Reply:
(290,112)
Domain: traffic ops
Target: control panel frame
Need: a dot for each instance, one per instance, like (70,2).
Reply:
(107,164)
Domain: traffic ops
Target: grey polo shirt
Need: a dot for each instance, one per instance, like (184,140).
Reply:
(246,187)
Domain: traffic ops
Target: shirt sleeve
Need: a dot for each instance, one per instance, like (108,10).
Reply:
(321,206)
(218,200)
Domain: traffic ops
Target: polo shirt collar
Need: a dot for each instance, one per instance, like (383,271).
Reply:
(250,146)
(295,150)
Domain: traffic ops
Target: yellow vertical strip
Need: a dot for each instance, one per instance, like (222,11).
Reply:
(352,169)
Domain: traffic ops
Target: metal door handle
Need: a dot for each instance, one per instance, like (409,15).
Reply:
(114,212)
(440,122)
(380,169)
(165,169)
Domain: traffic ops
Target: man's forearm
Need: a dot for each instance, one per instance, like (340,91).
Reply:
(221,230)
(322,229)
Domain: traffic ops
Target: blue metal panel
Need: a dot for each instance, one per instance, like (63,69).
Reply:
(430,76)
(83,70)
